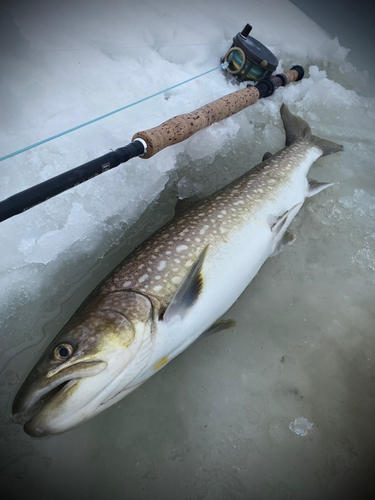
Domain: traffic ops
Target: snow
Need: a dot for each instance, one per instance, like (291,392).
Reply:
(215,422)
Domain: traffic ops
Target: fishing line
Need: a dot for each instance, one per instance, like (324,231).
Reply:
(32,146)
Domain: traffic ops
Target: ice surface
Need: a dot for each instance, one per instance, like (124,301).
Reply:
(300,426)
(215,422)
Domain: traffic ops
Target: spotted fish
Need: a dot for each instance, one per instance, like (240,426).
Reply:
(172,289)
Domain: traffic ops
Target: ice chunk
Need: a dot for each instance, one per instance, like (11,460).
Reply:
(300,426)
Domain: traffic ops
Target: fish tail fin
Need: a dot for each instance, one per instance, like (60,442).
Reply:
(296,128)
(327,147)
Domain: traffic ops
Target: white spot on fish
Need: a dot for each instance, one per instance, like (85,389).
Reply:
(157,288)
(176,280)
(162,264)
(197,240)
(127,283)
(143,278)
(157,277)
(177,261)
(181,248)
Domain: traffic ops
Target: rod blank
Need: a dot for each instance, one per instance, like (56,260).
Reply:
(41,192)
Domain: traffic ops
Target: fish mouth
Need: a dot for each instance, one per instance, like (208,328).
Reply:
(23,415)
(34,399)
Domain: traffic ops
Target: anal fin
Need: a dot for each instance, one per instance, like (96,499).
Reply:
(315,187)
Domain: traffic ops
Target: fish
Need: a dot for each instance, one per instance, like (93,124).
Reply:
(172,289)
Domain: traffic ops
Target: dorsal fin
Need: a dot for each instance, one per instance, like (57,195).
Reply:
(188,291)
(266,156)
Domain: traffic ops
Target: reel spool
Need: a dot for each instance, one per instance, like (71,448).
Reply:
(249,59)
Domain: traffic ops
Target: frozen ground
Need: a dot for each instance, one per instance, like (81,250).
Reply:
(283,407)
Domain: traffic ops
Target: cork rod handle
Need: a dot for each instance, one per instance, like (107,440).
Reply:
(182,127)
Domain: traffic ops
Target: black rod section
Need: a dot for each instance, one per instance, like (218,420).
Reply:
(41,192)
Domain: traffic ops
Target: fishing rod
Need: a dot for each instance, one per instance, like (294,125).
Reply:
(246,59)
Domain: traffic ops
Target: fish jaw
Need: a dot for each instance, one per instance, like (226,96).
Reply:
(34,389)
(56,397)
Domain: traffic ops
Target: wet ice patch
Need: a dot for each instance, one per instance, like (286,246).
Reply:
(354,213)
(300,426)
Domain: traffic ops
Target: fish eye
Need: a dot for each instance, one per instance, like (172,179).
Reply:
(63,352)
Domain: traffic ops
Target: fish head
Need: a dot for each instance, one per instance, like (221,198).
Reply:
(91,361)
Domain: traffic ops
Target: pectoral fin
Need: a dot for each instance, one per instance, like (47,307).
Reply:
(219,326)
(188,291)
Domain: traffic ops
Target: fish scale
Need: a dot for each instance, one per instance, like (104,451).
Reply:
(171,289)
